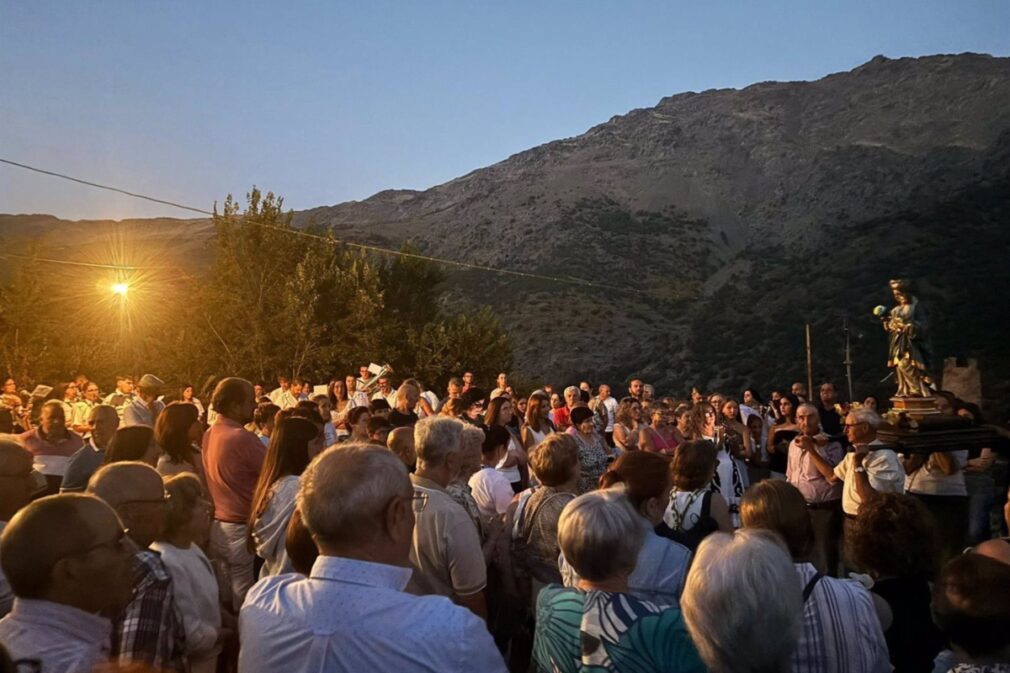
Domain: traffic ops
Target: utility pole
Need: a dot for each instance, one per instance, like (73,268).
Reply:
(848,357)
(810,367)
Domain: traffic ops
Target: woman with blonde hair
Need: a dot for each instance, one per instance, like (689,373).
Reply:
(627,424)
(536,425)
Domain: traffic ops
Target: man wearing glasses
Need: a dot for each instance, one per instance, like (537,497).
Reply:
(148,631)
(68,560)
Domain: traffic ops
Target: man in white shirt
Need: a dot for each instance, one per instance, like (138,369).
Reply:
(123,394)
(352,614)
(68,560)
(610,404)
(144,410)
(385,392)
(283,383)
(79,418)
(293,395)
(871,468)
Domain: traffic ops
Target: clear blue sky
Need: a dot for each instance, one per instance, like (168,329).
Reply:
(324,102)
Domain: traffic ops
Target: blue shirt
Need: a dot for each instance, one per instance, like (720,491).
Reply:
(353,616)
(61,638)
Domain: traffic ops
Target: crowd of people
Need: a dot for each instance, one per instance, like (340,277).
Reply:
(361,526)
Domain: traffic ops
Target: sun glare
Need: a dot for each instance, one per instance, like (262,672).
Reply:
(120,288)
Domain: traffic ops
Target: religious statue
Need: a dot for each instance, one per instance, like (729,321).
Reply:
(908,352)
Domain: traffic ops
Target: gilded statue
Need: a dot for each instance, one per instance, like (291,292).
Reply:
(908,351)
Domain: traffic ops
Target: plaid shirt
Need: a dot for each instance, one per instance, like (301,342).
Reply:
(149,630)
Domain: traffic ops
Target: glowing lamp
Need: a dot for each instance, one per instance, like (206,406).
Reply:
(120,288)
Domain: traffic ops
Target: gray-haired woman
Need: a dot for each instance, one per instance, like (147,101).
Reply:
(598,623)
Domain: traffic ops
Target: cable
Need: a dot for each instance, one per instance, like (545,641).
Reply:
(90,265)
(371,248)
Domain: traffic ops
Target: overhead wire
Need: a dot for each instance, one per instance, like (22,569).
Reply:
(570,280)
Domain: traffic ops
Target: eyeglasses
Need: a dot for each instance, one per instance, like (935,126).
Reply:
(853,425)
(121,542)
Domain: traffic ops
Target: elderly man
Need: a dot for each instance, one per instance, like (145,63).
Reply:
(103,421)
(811,469)
(232,460)
(148,631)
(352,614)
(17,485)
(52,444)
(68,561)
(402,415)
(446,553)
(145,408)
(870,469)
(79,419)
(401,442)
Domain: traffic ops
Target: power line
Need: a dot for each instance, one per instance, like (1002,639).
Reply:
(570,280)
(50,260)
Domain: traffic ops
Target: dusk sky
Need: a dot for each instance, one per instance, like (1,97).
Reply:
(324,102)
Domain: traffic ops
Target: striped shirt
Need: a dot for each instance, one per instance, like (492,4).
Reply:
(841,630)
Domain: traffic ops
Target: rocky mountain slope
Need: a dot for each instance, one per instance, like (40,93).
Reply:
(715,224)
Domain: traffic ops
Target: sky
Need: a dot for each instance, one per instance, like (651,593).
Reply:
(324,102)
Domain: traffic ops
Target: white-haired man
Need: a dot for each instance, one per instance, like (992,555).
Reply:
(446,553)
(871,468)
(352,613)
(811,469)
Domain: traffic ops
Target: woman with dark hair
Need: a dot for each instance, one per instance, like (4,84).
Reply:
(593,450)
(186,394)
(513,465)
(695,510)
(662,564)
(341,406)
(872,403)
(135,442)
(177,432)
(894,541)
(738,438)
(730,478)
(781,434)
(290,451)
(657,436)
(357,424)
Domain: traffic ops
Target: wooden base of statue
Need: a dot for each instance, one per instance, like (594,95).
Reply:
(911,430)
(915,406)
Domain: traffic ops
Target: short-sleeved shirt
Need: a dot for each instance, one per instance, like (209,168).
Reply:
(492,491)
(930,479)
(85,461)
(50,456)
(882,469)
(804,475)
(446,552)
(61,637)
(232,459)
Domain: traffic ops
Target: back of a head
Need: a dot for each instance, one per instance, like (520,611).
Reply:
(893,536)
(228,393)
(435,437)
(495,437)
(971,605)
(693,464)
(555,460)
(129,444)
(184,492)
(645,475)
(600,535)
(345,489)
(778,506)
(732,579)
(44,532)
(119,483)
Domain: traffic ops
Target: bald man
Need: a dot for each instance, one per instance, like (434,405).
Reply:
(68,560)
(997,548)
(232,459)
(103,419)
(148,631)
(16,488)
(401,442)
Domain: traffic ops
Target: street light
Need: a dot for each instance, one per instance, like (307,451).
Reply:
(121,289)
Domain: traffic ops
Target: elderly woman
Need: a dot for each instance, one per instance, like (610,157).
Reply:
(840,620)
(734,579)
(662,563)
(893,540)
(555,463)
(593,450)
(599,624)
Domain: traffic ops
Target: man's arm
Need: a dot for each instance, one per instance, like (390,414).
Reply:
(826,469)
(475,603)
(862,478)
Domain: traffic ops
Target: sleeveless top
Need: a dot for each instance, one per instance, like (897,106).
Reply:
(659,443)
(684,510)
(537,436)
(631,438)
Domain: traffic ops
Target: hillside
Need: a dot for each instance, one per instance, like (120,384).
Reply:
(721,221)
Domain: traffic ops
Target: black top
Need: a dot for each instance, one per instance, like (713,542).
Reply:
(778,460)
(400,420)
(912,639)
(831,421)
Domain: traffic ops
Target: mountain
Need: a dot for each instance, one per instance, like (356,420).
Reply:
(711,227)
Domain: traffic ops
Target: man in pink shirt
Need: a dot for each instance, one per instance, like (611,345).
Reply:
(52,444)
(232,458)
(810,469)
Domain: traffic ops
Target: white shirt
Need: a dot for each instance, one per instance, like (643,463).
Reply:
(138,412)
(883,470)
(491,490)
(196,595)
(390,398)
(63,639)
(352,616)
(270,530)
(930,480)
(610,404)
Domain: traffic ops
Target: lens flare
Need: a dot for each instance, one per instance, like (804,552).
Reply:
(120,288)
